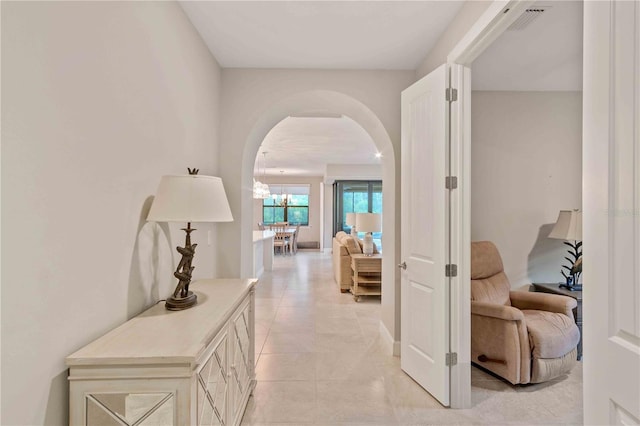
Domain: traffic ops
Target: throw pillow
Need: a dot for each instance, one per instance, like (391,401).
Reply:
(352,246)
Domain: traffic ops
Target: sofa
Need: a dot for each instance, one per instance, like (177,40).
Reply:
(343,246)
(521,336)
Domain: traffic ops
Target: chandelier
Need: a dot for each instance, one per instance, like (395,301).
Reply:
(281,199)
(261,190)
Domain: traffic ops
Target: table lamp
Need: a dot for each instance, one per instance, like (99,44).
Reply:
(351,221)
(569,227)
(188,198)
(368,223)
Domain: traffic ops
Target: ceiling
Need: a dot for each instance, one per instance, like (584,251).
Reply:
(545,55)
(304,146)
(389,35)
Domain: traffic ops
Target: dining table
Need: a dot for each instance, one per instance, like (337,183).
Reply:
(288,231)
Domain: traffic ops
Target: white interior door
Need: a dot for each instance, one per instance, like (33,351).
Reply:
(611,218)
(424,249)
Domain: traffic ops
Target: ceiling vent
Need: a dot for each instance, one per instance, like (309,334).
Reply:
(528,17)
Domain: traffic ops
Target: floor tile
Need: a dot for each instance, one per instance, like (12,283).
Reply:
(354,402)
(346,366)
(281,402)
(289,343)
(259,341)
(340,342)
(286,367)
(294,320)
(298,299)
(320,360)
(337,326)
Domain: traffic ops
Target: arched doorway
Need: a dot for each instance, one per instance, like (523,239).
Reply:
(336,103)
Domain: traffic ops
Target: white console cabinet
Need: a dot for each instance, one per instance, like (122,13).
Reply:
(191,367)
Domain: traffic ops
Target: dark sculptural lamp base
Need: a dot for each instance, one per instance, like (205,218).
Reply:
(577,287)
(180,303)
(182,298)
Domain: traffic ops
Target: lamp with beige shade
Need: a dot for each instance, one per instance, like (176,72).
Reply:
(368,223)
(568,227)
(350,220)
(188,198)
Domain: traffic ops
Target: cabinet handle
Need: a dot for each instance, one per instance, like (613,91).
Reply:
(402,265)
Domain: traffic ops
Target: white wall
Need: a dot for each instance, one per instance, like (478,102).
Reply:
(307,233)
(463,21)
(526,165)
(327,234)
(352,171)
(98,101)
(252,98)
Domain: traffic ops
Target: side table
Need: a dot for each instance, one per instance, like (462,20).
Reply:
(554,288)
(367,275)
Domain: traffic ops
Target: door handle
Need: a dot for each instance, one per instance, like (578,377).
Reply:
(402,265)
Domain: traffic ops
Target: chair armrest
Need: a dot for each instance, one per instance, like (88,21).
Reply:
(493,310)
(499,340)
(543,302)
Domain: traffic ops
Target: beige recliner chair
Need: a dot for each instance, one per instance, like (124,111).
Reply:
(521,336)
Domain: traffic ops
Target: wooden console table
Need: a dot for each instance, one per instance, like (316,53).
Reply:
(367,275)
(554,288)
(191,367)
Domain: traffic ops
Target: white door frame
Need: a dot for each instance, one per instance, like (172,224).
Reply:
(493,22)
(611,219)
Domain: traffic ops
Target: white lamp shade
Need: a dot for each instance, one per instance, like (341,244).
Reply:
(190,198)
(350,219)
(368,222)
(568,226)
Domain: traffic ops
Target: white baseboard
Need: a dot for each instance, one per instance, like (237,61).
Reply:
(392,346)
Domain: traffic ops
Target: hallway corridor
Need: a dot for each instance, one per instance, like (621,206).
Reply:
(319,360)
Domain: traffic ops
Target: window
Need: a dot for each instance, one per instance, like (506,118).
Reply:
(288,203)
(359,196)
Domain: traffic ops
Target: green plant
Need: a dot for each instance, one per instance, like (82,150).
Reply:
(572,272)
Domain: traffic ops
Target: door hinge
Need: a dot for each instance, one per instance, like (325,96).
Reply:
(451,359)
(451,270)
(451,182)
(451,94)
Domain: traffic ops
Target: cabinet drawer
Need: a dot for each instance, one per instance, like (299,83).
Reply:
(212,383)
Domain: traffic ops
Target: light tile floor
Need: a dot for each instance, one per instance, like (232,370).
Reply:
(319,360)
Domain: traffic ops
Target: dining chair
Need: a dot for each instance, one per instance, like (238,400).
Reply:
(294,242)
(281,239)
